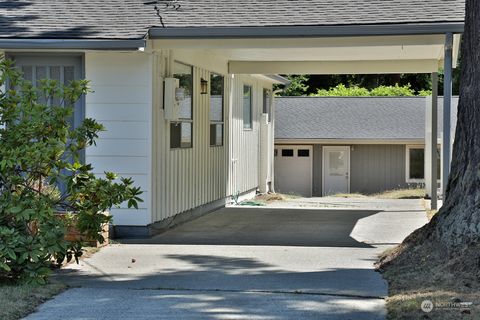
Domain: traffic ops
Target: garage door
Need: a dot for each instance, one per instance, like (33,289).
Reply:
(293,170)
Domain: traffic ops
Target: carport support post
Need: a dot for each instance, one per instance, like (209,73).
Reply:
(447,102)
(434,143)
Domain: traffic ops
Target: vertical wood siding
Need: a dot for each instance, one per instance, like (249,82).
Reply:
(188,178)
(244,143)
(121,101)
(373,168)
(376,168)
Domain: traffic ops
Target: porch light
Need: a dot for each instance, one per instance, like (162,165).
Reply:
(203,86)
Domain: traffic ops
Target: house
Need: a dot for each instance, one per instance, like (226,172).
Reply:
(329,145)
(184,87)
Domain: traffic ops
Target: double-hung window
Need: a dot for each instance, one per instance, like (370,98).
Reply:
(216,109)
(181,131)
(247,107)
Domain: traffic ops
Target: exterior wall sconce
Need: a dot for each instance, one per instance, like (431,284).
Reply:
(203,86)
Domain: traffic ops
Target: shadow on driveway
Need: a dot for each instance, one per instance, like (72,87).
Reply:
(267,227)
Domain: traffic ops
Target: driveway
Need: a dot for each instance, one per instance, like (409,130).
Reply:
(303,259)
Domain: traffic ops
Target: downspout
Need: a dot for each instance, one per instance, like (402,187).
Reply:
(272,110)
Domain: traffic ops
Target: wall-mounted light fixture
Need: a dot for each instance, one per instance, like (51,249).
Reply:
(203,86)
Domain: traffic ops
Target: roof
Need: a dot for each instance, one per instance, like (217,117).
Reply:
(131,19)
(351,118)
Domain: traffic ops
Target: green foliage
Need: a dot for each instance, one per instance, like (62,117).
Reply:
(380,91)
(298,85)
(38,153)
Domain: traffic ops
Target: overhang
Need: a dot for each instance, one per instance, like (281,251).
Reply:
(72,44)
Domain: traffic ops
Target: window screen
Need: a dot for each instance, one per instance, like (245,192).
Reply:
(417,163)
(181,132)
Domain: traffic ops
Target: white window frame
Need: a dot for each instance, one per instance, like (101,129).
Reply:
(407,163)
(252,106)
(216,122)
(185,120)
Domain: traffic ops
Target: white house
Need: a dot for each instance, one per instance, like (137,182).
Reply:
(188,159)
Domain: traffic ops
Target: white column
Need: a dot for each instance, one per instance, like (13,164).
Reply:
(433,142)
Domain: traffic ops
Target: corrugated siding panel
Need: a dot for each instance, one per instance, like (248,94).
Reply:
(245,144)
(122,102)
(376,168)
(188,178)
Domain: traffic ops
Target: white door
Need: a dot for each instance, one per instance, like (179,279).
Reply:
(336,170)
(293,170)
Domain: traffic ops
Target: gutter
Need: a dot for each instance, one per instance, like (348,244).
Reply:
(80,44)
(305,31)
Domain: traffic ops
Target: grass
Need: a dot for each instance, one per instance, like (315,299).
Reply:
(390,194)
(17,301)
(271,197)
(418,193)
(415,274)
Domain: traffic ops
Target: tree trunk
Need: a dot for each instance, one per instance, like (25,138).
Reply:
(457,225)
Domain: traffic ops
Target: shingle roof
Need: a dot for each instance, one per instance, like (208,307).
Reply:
(131,19)
(368,118)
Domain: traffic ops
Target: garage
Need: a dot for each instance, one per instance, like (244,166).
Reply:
(293,170)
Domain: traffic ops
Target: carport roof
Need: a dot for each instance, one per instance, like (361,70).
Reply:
(132,19)
(354,118)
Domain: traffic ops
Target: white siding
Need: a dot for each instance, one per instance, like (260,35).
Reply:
(245,143)
(122,101)
(187,178)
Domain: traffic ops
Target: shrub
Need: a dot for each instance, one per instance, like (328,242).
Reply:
(41,174)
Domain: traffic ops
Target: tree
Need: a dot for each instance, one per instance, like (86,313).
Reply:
(380,91)
(297,87)
(41,174)
(452,238)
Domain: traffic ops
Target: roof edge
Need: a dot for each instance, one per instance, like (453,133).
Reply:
(305,31)
(76,44)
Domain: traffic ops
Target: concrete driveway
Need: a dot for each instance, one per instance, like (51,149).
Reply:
(305,259)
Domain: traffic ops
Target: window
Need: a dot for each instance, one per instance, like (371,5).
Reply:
(275,153)
(59,67)
(216,109)
(247,107)
(303,153)
(181,132)
(416,164)
(266,103)
(287,152)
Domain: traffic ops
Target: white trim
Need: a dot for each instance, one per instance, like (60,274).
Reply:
(407,163)
(339,148)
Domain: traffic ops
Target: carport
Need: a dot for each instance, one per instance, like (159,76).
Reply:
(345,49)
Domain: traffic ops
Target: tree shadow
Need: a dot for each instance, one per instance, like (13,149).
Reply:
(267,227)
(211,286)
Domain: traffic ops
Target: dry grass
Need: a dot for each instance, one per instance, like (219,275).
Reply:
(271,197)
(402,194)
(417,273)
(17,301)
(431,213)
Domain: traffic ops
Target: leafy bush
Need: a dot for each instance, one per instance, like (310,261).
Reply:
(41,174)
(381,91)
